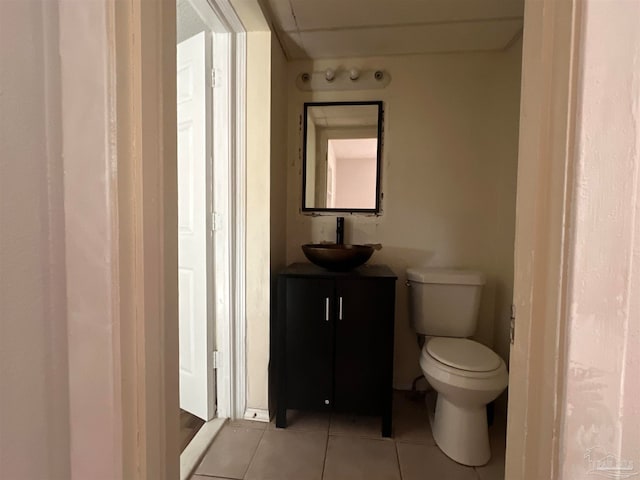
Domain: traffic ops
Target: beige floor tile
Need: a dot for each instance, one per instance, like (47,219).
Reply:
(411,420)
(418,461)
(203,477)
(494,470)
(305,421)
(248,424)
(356,426)
(288,455)
(350,458)
(231,452)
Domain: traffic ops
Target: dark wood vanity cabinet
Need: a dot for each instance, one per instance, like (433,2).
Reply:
(334,341)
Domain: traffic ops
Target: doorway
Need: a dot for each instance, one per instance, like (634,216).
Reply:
(208,43)
(536,360)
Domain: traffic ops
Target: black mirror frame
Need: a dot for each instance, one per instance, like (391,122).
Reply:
(375,210)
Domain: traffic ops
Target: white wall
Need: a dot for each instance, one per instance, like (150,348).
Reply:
(62,382)
(88,144)
(449,173)
(311,155)
(34,410)
(189,22)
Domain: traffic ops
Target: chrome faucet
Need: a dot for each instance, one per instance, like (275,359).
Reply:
(340,230)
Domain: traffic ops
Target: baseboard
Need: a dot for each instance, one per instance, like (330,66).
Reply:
(192,455)
(257,415)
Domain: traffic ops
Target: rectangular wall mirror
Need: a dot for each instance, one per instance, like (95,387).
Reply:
(342,157)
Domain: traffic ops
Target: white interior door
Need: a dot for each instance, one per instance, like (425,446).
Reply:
(197,392)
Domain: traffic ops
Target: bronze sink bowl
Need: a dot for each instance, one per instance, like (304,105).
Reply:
(337,257)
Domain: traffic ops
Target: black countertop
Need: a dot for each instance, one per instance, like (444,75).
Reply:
(309,269)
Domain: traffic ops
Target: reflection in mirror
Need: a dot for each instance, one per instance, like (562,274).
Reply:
(342,156)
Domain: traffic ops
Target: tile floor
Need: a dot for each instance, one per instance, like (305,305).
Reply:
(339,447)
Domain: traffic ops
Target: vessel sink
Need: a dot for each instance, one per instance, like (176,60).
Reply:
(337,257)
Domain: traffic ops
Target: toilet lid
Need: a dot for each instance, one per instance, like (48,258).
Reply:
(464,354)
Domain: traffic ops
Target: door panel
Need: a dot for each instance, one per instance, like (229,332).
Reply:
(194,143)
(309,343)
(364,345)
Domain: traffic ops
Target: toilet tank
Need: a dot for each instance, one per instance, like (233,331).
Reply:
(444,302)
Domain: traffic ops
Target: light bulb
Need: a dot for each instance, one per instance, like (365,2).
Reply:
(354,74)
(330,74)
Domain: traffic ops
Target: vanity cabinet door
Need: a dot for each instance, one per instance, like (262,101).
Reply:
(364,345)
(308,339)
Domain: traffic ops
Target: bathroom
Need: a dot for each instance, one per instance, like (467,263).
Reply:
(90,344)
(448,180)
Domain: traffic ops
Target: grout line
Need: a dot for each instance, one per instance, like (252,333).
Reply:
(395,444)
(428,445)
(514,39)
(254,453)
(326,449)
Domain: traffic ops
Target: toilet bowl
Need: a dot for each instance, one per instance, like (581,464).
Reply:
(466,376)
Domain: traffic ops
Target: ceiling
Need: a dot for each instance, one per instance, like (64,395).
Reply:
(188,22)
(315,29)
(354,148)
(344,116)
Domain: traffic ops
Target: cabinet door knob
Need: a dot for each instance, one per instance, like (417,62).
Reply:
(326,402)
(340,310)
(326,309)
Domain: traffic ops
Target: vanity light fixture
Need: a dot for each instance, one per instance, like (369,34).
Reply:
(343,79)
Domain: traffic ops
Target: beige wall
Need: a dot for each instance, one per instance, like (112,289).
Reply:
(278,156)
(258,214)
(449,173)
(266,192)
(601,410)
(278,176)
(34,411)
(504,128)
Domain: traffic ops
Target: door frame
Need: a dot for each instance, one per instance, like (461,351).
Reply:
(148,355)
(142,99)
(226,265)
(544,218)
(230,338)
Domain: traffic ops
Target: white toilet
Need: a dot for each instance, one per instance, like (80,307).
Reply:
(466,374)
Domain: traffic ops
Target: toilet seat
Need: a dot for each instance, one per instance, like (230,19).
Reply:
(462,377)
(463,354)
